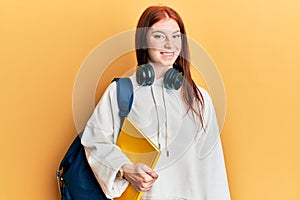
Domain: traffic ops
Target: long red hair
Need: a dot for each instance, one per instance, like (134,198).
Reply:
(190,93)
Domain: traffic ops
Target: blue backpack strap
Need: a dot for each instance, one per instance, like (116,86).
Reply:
(124,97)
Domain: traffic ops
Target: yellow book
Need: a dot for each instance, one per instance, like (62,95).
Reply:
(139,149)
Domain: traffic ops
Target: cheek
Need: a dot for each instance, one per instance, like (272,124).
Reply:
(178,48)
(177,44)
(153,54)
(155,44)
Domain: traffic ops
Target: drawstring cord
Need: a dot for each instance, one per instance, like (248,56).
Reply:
(158,130)
(166,117)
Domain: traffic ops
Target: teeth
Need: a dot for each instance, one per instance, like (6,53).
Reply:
(167,54)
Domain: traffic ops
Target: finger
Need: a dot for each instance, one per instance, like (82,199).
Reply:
(146,178)
(150,172)
(142,187)
(153,174)
(145,187)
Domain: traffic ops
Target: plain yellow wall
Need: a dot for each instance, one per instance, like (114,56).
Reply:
(255,44)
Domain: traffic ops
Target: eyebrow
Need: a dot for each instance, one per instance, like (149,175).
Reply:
(154,31)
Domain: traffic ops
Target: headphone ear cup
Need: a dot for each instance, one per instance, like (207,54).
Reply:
(173,79)
(145,75)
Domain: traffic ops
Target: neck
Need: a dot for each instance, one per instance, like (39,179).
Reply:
(160,70)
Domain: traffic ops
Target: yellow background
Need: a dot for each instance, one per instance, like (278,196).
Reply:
(255,44)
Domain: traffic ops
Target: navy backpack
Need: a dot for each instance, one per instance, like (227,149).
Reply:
(75,177)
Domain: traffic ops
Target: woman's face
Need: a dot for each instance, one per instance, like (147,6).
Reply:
(164,42)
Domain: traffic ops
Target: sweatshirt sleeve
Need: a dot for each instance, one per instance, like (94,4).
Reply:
(99,137)
(210,154)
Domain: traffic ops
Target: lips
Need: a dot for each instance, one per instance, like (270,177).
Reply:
(167,54)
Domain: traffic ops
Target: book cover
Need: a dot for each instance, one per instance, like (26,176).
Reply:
(139,149)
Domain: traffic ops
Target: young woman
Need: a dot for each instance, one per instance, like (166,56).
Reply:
(178,117)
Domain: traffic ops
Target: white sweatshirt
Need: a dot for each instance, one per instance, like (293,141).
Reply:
(194,169)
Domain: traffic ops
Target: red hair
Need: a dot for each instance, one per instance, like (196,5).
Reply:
(190,92)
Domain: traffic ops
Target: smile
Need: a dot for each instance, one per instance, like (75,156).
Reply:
(167,54)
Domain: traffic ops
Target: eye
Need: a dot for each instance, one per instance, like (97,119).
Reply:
(177,36)
(159,36)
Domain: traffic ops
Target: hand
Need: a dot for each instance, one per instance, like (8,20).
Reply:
(140,176)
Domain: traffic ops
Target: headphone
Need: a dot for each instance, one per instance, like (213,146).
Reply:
(145,75)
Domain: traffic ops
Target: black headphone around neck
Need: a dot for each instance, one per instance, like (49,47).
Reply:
(145,75)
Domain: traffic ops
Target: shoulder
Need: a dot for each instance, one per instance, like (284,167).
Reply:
(110,89)
(205,94)
(208,106)
(109,94)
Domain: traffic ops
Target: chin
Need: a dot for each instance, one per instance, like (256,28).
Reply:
(168,63)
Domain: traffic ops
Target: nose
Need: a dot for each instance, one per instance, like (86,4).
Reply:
(168,43)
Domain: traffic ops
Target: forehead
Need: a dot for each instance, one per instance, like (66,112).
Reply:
(166,24)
